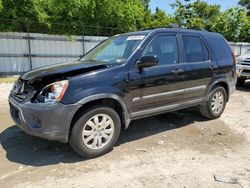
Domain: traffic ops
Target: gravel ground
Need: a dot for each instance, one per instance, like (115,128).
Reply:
(179,149)
(4,92)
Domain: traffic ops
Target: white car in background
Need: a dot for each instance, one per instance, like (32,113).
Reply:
(243,69)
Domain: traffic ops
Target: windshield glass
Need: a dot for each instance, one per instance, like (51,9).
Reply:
(115,49)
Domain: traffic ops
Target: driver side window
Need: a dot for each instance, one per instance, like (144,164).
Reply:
(166,49)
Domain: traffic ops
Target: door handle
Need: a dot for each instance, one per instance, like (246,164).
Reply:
(213,67)
(177,71)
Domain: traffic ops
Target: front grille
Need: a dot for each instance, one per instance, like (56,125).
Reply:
(246,61)
(20,90)
(246,71)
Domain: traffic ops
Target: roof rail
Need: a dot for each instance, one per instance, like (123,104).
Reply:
(149,28)
(198,29)
(204,30)
(174,26)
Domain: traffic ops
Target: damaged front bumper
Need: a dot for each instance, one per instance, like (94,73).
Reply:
(49,121)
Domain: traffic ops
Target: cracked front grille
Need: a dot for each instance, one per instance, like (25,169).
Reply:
(20,90)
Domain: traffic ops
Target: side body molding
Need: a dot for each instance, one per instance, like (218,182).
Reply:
(126,115)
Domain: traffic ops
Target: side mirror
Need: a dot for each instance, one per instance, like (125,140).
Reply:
(147,61)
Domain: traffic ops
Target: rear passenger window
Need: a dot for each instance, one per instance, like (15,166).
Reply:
(220,47)
(195,49)
(165,47)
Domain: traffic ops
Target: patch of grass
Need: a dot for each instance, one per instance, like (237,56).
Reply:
(10,79)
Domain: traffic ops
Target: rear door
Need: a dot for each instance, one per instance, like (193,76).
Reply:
(198,67)
(160,85)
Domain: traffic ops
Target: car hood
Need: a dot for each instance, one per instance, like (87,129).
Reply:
(64,70)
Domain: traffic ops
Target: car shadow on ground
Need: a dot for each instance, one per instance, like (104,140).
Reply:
(245,87)
(33,151)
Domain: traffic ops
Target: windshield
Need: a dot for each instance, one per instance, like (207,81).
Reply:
(115,49)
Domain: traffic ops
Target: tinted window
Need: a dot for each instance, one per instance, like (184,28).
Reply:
(195,49)
(165,47)
(220,47)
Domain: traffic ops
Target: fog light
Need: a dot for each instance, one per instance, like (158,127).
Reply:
(35,123)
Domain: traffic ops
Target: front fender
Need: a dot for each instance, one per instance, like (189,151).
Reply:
(108,96)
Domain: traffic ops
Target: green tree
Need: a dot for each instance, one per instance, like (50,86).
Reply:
(145,3)
(196,15)
(203,15)
(74,16)
(246,4)
(66,16)
(22,10)
(1,4)
(182,12)
(160,19)
(108,17)
(234,24)
(122,15)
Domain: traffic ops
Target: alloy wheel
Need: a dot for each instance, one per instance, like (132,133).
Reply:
(98,131)
(217,102)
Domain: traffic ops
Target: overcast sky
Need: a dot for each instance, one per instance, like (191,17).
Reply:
(164,4)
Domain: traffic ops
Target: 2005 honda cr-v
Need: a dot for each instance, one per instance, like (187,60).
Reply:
(126,77)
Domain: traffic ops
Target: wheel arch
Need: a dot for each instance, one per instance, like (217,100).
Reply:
(220,82)
(112,100)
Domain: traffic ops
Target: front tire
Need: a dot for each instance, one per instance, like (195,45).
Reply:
(95,132)
(216,103)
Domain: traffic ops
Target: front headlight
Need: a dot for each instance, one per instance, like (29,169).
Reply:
(54,92)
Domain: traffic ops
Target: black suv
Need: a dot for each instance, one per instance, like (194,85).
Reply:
(126,77)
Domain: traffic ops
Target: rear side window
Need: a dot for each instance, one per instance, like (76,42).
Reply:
(195,49)
(220,47)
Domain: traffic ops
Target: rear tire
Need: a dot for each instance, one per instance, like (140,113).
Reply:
(216,103)
(240,82)
(95,132)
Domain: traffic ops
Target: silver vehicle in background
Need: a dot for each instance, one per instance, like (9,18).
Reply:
(243,69)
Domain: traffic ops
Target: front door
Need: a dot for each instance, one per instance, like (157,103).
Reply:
(156,88)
